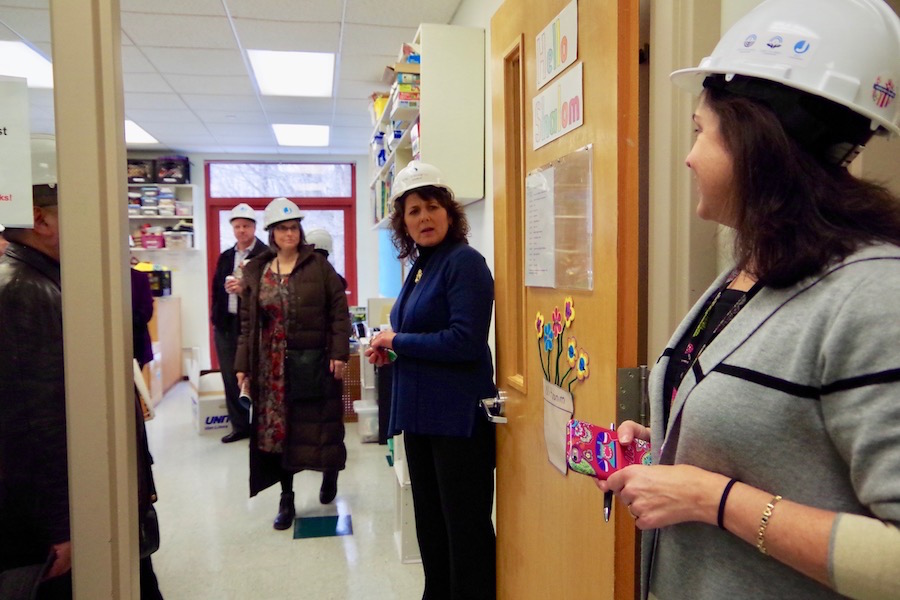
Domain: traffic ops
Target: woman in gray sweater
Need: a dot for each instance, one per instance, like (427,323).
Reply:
(776,405)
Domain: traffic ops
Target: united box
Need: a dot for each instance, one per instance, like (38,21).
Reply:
(208,405)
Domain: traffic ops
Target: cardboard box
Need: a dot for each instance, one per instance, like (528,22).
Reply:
(208,406)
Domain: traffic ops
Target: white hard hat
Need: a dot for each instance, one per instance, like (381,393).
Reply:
(242,211)
(845,51)
(281,209)
(416,175)
(43,159)
(321,239)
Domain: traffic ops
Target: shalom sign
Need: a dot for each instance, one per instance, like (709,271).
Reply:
(559,108)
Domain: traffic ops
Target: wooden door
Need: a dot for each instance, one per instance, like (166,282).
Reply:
(551,536)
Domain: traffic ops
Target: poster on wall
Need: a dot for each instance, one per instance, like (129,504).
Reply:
(559,223)
(15,154)
(558,109)
(556,46)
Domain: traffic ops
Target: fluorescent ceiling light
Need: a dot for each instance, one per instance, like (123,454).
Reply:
(135,135)
(293,73)
(18,60)
(301,135)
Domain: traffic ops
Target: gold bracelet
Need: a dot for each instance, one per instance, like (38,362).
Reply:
(763,523)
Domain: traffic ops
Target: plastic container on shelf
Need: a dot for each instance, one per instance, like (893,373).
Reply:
(184,209)
(178,240)
(367,411)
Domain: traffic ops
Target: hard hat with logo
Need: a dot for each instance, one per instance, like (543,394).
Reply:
(279,210)
(321,239)
(844,51)
(242,211)
(416,175)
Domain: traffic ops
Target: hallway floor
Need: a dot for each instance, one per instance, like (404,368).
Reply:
(219,544)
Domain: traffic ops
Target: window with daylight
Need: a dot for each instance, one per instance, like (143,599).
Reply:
(325,192)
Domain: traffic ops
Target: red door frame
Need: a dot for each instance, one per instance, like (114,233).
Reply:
(345,204)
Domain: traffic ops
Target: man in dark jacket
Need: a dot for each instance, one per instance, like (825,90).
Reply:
(226,292)
(34,483)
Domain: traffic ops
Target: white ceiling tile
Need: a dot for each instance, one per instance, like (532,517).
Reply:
(233,116)
(137,101)
(163,130)
(401,12)
(358,89)
(253,140)
(363,67)
(201,102)
(161,116)
(146,82)
(286,10)
(196,61)
(178,32)
(134,61)
(298,106)
(173,7)
(30,23)
(358,39)
(345,106)
(305,117)
(240,129)
(354,120)
(200,84)
(288,36)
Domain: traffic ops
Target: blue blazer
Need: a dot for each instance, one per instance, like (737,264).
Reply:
(444,365)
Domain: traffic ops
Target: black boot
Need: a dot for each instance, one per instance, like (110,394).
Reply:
(329,487)
(285,511)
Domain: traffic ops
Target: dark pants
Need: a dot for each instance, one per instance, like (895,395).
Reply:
(226,348)
(453,489)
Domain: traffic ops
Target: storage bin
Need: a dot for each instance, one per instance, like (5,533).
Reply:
(367,425)
(140,171)
(178,240)
(184,209)
(172,169)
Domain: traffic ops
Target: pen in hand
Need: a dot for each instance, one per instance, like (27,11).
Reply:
(608,495)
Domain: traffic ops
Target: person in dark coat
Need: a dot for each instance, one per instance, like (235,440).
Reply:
(141,313)
(34,481)
(294,346)
(225,316)
(443,368)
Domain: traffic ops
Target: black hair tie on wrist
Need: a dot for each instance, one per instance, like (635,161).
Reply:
(721,516)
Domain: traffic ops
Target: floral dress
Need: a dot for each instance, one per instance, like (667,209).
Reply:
(271,421)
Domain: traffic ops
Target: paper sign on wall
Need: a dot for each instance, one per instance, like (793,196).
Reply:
(558,109)
(556,47)
(15,154)
(540,266)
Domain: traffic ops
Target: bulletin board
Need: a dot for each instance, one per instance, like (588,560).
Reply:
(559,223)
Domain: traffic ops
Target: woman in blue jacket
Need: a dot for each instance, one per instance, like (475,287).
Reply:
(443,368)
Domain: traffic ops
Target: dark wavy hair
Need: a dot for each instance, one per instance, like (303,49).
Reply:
(457,232)
(795,211)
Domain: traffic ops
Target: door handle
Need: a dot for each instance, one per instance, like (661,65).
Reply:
(493,407)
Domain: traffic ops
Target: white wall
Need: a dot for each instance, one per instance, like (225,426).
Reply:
(478,13)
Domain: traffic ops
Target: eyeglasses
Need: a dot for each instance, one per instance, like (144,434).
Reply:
(287,228)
